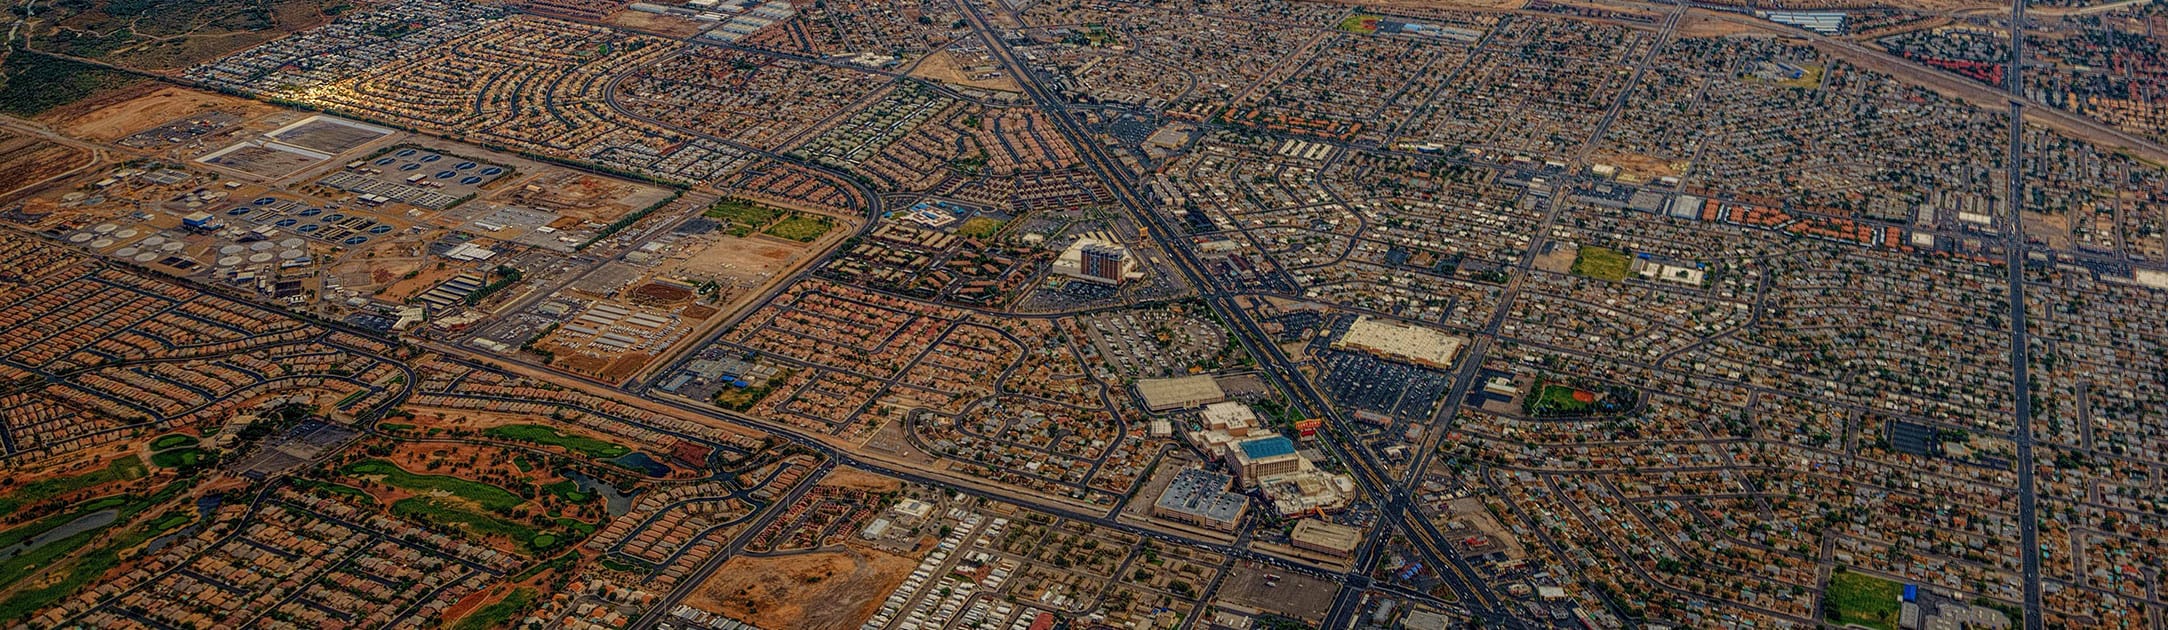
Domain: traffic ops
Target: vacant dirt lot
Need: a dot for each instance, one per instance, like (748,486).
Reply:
(1639,167)
(729,259)
(942,66)
(667,25)
(815,591)
(403,288)
(851,478)
(26,160)
(1560,260)
(119,120)
(1704,25)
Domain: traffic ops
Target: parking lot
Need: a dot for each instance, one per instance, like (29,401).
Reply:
(1156,342)
(1390,389)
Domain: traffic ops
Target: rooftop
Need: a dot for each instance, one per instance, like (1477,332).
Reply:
(1274,446)
(1175,393)
(1202,493)
(1327,535)
(1398,340)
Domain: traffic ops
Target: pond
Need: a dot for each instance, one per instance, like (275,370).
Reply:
(642,463)
(618,503)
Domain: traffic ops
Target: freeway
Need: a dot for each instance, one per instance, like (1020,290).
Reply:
(2014,244)
(1963,88)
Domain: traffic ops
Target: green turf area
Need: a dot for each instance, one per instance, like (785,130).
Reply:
(1602,263)
(1866,600)
(1811,80)
(32,529)
(335,488)
(173,440)
(1559,399)
(178,458)
(73,577)
(742,398)
(577,527)
(801,227)
(560,563)
(1360,23)
(169,522)
(32,84)
(71,574)
(569,491)
(980,227)
(122,469)
(498,614)
(547,436)
(443,512)
(486,496)
(744,217)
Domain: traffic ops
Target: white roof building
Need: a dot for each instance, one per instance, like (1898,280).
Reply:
(1421,345)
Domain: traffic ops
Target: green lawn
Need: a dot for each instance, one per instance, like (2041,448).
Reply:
(1810,80)
(442,512)
(173,440)
(497,614)
(576,526)
(1360,23)
(547,436)
(81,573)
(177,458)
(742,398)
(72,574)
(486,496)
(569,491)
(32,529)
(335,488)
(1559,398)
(980,227)
(802,227)
(122,469)
(1602,263)
(1866,600)
(744,217)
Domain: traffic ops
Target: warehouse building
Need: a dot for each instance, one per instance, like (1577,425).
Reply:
(1166,394)
(1399,341)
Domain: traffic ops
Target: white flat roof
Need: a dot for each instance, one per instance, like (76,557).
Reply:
(1394,339)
